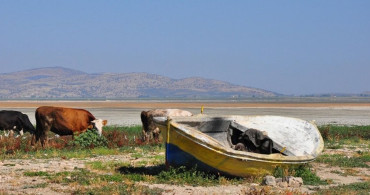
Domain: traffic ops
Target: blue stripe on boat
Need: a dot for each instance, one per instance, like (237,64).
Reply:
(176,157)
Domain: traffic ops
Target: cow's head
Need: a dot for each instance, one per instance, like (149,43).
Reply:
(26,124)
(98,124)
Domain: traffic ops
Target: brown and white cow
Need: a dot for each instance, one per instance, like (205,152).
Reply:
(150,130)
(64,121)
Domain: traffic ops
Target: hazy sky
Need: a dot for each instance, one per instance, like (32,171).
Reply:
(289,47)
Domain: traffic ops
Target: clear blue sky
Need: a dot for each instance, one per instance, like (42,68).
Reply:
(289,47)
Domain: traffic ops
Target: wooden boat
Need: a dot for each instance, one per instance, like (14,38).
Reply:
(209,143)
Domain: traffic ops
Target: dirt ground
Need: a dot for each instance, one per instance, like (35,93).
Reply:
(13,181)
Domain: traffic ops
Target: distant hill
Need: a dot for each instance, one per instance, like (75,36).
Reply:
(63,83)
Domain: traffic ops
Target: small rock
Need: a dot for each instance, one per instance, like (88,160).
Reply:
(294,181)
(269,181)
(283,184)
(313,187)
(254,184)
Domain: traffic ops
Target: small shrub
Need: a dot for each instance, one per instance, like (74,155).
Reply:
(308,177)
(116,138)
(346,161)
(90,139)
(303,171)
(194,177)
(37,173)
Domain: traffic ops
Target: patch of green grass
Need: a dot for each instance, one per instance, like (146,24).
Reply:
(303,171)
(106,166)
(36,173)
(9,165)
(70,153)
(346,172)
(83,177)
(129,130)
(354,188)
(40,185)
(309,177)
(194,177)
(337,132)
(344,161)
(176,176)
(85,180)
(119,188)
(84,153)
(60,177)
(182,176)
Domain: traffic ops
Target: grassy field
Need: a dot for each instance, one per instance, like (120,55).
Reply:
(146,162)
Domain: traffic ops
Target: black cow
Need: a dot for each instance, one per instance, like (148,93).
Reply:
(16,121)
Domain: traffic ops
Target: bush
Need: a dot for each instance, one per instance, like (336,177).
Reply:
(116,138)
(334,132)
(90,139)
(309,177)
(303,171)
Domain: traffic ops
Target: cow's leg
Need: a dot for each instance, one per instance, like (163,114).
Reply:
(41,134)
(11,133)
(156,133)
(33,139)
(145,135)
(43,140)
(43,137)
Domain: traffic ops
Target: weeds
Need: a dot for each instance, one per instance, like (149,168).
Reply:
(119,188)
(303,171)
(346,172)
(333,132)
(41,185)
(34,174)
(354,188)
(176,176)
(108,183)
(183,176)
(115,140)
(345,161)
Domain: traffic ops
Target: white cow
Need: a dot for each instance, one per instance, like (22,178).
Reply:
(150,130)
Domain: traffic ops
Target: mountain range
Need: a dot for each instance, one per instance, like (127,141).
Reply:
(64,83)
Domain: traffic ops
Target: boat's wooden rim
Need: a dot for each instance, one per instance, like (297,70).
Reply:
(212,144)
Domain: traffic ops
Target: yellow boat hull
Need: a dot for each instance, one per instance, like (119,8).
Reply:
(189,147)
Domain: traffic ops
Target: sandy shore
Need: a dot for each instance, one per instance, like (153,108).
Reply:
(173,104)
(128,112)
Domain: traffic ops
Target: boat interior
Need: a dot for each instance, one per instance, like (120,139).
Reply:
(231,134)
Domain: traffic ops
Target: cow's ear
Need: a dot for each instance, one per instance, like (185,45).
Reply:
(90,126)
(105,122)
